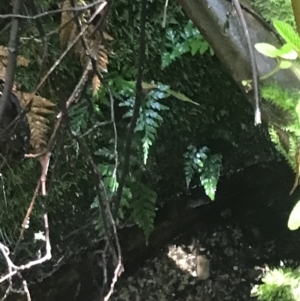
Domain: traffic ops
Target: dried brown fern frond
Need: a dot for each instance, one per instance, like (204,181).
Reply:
(102,62)
(94,40)
(39,124)
(102,59)
(21,61)
(67,26)
(96,83)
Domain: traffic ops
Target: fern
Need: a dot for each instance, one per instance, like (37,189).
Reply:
(202,162)
(109,178)
(69,31)
(190,40)
(287,101)
(149,119)
(210,174)
(284,99)
(193,162)
(143,204)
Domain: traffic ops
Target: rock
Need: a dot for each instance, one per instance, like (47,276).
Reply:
(202,267)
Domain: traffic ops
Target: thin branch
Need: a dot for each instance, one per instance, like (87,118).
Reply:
(96,125)
(43,37)
(16,15)
(84,28)
(112,112)
(91,54)
(136,108)
(12,59)
(257,113)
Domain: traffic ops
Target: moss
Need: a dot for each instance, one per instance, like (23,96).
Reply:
(286,138)
(275,9)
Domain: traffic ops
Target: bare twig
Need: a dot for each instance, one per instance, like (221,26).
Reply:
(27,266)
(112,113)
(43,37)
(257,113)
(96,125)
(92,53)
(29,210)
(118,271)
(16,15)
(164,21)
(136,108)
(84,28)
(12,59)
(13,269)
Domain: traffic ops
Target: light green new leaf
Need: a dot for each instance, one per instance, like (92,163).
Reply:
(287,52)
(294,219)
(288,34)
(285,64)
(178,95)
(266,49)
(181,96)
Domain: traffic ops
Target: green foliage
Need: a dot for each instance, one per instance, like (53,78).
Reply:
(288,34)
(70,178)
(284,55)
(287,137)
(278,285)
(275,9)
(109,177)
(190,40)
(289,102)
(210,174)
(149,119)
(294,219)
(284,99)
(143,204)
(202,162)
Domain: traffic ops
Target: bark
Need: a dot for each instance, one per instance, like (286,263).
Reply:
(210,17)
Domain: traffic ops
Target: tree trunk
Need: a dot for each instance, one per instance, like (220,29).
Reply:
(229,45)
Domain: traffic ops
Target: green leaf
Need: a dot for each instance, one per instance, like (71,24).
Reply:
(143,205)
(294,219)
(266,49)
(195,46)
(178,95)
(288,34)
(287,52)
(181,97)
(285,64)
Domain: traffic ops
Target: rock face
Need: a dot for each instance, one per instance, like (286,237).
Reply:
(212,252)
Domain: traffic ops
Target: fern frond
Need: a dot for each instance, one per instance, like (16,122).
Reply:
(21,61)
(143,204)
(96,84)
(284,99)
(289,153)
(67,25)
(39,124)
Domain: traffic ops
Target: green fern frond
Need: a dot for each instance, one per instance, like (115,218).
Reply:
(143,204)
(290,155)
(210,175)
(202,162)
(284,99)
